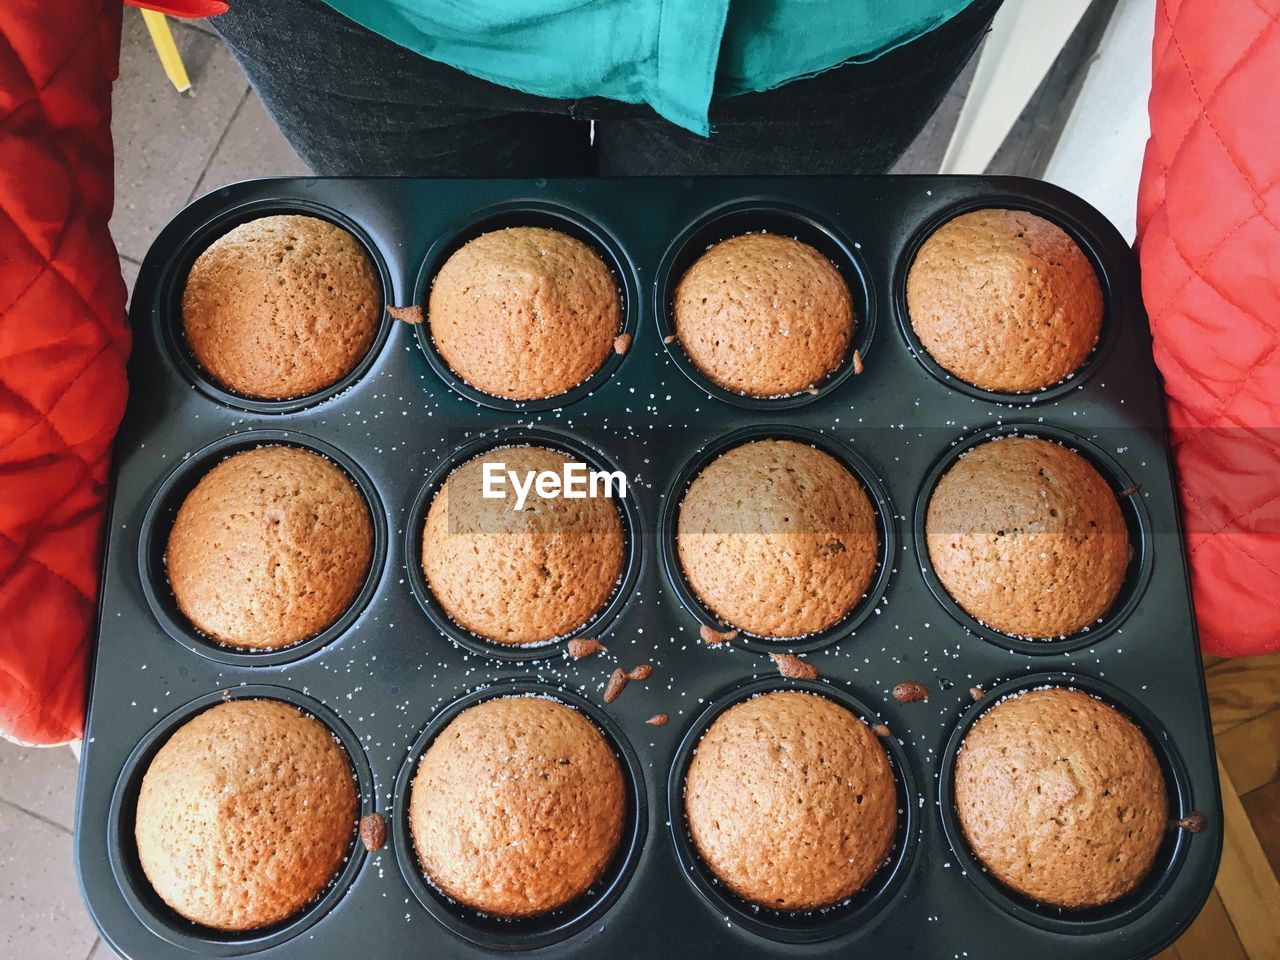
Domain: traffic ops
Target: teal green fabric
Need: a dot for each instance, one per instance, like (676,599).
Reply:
(670,54)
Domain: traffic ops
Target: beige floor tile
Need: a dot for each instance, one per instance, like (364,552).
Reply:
(130,270)
(164,139)
(41,780)
(252,147)
(44,918)
(202,25)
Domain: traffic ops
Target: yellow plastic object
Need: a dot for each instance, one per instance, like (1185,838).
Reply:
(170,59)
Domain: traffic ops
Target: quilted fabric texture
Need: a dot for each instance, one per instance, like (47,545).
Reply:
(63,345)
(1209,221)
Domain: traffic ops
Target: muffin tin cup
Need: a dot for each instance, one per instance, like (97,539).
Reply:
(154,536)
(1169,859)
(526,213)
(1088,242)
(122,850)
(387,671)
(1137,574)
(598,624)
(543,930)
(771,216)
(796,927)
(886,531)
(168,320)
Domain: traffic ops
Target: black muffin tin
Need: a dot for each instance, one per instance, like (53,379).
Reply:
(395,669)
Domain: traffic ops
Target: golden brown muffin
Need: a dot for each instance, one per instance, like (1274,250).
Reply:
(281,307)
(790,801)
(1028,538)
(245,815)
(1061,798)
(1004,300)
(524,313)
(764,315)
(520,576)
(517,806)
(777,538)
(270,548)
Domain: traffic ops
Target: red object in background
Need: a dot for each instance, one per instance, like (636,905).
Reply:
(183,8)
(1209,240)
(63,345)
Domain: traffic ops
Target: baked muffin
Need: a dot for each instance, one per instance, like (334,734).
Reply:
(269,548)
(1028,538)
(777,538)
(790,801)
(520,576)
(1061,798)
(764,315)
(245,815)
(281,307)
(517,806)
(524,313)
(1005,300)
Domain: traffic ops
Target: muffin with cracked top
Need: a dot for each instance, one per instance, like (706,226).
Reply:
(790,801)
(269,548)
(520,576)
(777,538)
(246,814)
(517,807)
(524,313)
(1061,798)
(1028,538)
(1005,300)
(281,307)
(764,315)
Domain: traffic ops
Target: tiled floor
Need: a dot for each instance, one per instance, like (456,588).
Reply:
(39,899)
(169,150)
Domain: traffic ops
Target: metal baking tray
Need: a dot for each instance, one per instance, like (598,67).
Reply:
(392,671)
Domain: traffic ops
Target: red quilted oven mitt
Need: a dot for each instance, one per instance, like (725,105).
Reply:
(1209,222)
(63,345)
